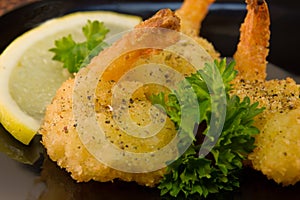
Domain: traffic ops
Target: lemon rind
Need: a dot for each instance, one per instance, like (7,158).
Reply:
(14,120)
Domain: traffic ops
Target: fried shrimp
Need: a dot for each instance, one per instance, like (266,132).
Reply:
(60,137)
(277,152)
(278,148)
(252,49)
(65,147)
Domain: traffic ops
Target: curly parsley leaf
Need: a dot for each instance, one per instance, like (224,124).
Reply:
(194,175)
(75,55)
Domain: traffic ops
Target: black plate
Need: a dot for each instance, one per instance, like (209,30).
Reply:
(221,26)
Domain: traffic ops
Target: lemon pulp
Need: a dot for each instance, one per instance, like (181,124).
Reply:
(29,77)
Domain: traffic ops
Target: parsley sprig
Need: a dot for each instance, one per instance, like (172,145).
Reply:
(193,175)
(75,55)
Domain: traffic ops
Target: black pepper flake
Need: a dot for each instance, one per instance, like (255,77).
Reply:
(284,153)
(131,101)
(291,107)
(107,121)
(66,129)
(168,57)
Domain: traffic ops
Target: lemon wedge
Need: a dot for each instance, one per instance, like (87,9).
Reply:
(29,77)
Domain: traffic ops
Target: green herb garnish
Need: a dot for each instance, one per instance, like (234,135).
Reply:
(194,175)
(77,55)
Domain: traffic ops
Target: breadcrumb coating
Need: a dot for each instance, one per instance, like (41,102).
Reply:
(252,49)
(60,137)
(277,152)
(64,146)
(191,14)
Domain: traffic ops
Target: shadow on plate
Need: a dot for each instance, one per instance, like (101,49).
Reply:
(60,185)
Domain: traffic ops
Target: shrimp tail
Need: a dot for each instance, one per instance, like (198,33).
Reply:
(192,13)
(252,49)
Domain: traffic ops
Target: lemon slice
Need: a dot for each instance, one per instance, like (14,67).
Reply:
(29,77)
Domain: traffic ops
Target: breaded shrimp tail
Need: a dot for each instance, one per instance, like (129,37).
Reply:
(164,18)
(192,13)
(252,49)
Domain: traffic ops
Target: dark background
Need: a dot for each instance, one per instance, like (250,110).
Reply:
(221,26)
(285,32)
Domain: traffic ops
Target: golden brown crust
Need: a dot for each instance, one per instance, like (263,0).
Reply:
(252,49)
(164,18)
(191,14)
(141,38)
(59,134)
(208,47)
(274,95)
(64,146)
(277,152)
